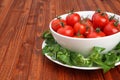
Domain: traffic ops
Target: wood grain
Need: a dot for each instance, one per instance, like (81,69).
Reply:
(22,23)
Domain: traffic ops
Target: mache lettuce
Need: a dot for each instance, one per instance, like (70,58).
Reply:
(105,61)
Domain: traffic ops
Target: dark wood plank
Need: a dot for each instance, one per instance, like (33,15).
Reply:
(4,9)
(38,21)
(13,34)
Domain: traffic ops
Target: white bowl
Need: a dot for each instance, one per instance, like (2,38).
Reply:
(85,45)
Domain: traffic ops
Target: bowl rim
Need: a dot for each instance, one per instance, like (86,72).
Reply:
(67,37)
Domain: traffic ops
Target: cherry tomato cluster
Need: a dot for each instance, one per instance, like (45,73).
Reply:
(99,25)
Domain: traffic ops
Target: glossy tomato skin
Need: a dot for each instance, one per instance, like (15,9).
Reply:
(79,36)
(87,22)
(78,27)
(95,34)
(66,31)
(100,20)
(57,23)
(110,28)
(72,18)
(89,26)
(119,27)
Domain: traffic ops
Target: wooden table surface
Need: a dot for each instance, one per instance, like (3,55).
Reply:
(21,24)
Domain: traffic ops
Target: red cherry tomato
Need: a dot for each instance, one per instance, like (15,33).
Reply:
(112,19)
(78,35)
(72,18)
(87,22)
(96,34)
(100,19)
(78,27)
(89,26)
(111,28)
(119,27)
(66,31)
(57,23)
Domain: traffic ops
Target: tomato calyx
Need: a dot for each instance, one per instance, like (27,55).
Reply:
(62,24)
(103,14)
(56,23)
(98,30)
(71,11)
(58,17)
(116,23)
(79,35)
(112,18)
(98,11)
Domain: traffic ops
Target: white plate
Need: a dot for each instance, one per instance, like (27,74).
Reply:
(75,67)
